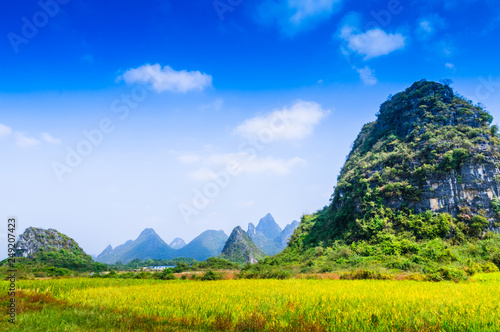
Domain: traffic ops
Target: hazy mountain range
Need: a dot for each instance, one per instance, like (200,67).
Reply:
(267,236)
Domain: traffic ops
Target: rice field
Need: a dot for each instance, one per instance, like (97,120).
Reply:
(83,304)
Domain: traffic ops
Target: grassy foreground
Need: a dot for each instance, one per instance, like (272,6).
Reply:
(83,304)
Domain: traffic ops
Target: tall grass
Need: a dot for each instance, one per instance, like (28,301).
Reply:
(287,305)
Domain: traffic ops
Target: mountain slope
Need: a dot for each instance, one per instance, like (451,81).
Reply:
(207,244)
(148,245)
(262,242)
(428,167)
(51,253)
(240,249)
(34,240)
(281,241)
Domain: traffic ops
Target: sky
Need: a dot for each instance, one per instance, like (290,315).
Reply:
(185,116)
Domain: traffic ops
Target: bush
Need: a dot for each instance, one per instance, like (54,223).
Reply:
(366,274)
(489,268)
(478,225)
(167,274)
(210,275)
(447,273)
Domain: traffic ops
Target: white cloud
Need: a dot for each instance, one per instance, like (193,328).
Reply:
(49,139)
(428,25)
(188,158)
(295,122)
(5,130)
(367,75)
(293,16)
(25,141)
(373,43)
(167,79)
(449,65)
(247,164)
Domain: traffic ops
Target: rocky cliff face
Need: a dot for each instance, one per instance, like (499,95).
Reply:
(239,248)
(36,239)
(450,144)
(428,150)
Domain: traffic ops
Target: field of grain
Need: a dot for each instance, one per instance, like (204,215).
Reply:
(83,304)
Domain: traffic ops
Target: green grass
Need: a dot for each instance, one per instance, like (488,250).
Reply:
(85,304)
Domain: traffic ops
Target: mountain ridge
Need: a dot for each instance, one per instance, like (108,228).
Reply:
(149,245)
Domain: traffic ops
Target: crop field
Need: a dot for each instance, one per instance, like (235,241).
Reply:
(83,304)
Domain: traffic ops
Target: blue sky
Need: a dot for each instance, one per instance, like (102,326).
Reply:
(192,115)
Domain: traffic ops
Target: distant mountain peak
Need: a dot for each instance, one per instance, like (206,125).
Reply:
(148,232)
(177,243)
(239,248)
(268,227)
(251,229)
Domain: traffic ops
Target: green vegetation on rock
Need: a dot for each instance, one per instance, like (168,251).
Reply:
(418,192)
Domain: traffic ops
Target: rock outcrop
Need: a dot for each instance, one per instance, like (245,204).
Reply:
(429,151)
(35,239)
(240,249)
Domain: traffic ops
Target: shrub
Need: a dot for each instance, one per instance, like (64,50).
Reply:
(366,274)
(489,268)
(478,225)
(211,275)
(167,274)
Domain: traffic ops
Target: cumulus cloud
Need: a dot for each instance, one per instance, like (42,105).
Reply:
(49,139)
(289,123)
(372,43)
(5,130)
(25,141)
(367,75)
(293,16)
(449,65)
(167,79)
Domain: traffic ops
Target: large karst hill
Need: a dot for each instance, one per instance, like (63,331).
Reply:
(427,167)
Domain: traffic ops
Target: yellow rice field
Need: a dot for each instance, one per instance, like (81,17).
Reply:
(289,305)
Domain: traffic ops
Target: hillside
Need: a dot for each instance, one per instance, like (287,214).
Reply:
(418,190)
(47,252)
(240,249)
(207,244)
(34,240)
